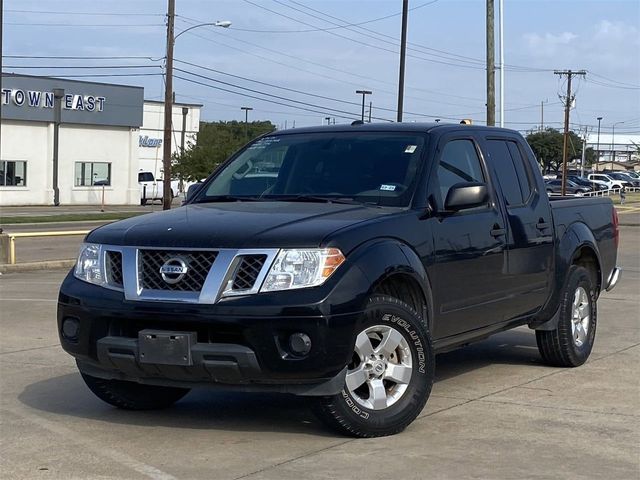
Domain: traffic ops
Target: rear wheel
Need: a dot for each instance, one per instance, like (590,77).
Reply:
(570,344)
(390,375)
(133,396)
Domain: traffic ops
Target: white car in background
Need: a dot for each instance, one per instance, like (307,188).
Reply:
(610,182)
(151,188)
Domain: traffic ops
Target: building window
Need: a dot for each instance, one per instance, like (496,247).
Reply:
(92,174)
(13,174)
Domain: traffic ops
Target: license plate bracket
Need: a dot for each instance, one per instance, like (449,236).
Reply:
(162,347)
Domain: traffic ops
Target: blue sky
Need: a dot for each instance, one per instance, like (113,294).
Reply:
(283,43)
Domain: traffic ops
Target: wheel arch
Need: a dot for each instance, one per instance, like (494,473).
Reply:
(577,246)
(393,268)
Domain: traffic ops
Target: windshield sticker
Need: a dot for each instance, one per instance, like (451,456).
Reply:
(387,188)
(410,148)
(263,143)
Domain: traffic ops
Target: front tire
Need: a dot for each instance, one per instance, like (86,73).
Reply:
(133,396)
(570,344)
(390,376)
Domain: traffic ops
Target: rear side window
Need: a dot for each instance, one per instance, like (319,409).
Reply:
(510,170)
(459,163)
(521,169)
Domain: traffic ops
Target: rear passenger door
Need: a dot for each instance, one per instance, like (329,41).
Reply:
(530,230)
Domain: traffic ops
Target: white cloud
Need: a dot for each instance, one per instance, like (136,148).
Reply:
(548,44)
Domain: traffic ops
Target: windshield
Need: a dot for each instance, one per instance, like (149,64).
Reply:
(366,167)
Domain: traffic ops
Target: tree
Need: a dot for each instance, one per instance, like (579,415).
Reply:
(215,143)
(548,145)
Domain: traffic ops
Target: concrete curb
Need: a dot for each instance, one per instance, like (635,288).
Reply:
(33,266)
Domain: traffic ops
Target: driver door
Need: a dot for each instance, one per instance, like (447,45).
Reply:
(470,255)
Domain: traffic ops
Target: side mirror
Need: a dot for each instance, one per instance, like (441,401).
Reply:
(192,191)
(466,195)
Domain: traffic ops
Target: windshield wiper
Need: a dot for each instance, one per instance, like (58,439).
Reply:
(228,198)
(313,199)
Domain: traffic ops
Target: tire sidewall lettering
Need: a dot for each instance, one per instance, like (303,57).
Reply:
(415,338)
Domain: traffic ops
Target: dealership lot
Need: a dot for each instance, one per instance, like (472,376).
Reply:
(495,412)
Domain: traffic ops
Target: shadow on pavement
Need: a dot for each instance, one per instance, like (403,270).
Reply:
(256,412)
(514,347)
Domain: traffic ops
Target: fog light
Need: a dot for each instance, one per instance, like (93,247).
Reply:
(70,329)
(300,344)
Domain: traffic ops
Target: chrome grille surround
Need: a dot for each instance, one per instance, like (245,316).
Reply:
(213,273)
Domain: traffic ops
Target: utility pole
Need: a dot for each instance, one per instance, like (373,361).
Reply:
(168,107)
(363,93)
(246,121)
(403,53)
(328,119)
(370,108)
(491,67)
(567,107)
(598,147)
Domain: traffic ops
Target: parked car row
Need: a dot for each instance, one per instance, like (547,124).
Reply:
(593,182)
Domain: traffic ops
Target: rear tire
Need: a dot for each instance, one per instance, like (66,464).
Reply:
(570,344)
(133,396)
(390,377)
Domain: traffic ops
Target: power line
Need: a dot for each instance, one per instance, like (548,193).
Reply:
(279,97)
(81,67)
(84,25)
(105,14)
(77,57)
(293,90)
(105,75)
(332,78)
(377,47)
(368,33)
(339,26)
(351,116)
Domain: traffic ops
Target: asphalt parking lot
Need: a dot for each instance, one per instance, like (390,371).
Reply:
(496,412)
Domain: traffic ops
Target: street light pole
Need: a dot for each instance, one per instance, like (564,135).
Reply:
(246,120)
(403,54)
(598,147)
(168,98)
(363,93)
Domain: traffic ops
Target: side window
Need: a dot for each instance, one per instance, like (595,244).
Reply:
(459,162)
(524,177)
(505,171)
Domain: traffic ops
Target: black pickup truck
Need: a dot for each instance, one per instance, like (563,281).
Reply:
(334,263)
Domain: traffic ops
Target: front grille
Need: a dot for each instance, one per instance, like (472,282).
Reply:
(248,271)
(198,265)
(114,268)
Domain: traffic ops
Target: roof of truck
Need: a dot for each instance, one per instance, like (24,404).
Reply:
(392,127)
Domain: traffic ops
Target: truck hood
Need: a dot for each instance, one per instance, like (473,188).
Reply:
(237,225)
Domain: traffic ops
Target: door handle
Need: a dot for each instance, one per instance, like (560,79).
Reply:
(497,231)
(542,225)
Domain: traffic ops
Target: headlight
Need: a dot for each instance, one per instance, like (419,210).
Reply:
(89,266)
(300,268)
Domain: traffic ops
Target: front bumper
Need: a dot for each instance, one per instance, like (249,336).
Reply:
(238,345)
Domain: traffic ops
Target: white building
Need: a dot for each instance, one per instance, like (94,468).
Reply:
(185,122)
(107,134)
